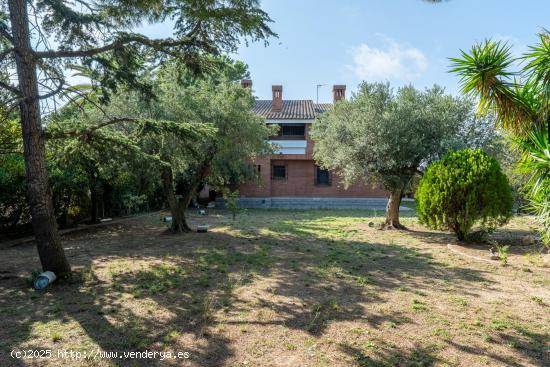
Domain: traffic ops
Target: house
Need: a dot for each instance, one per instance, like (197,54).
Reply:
(290,178)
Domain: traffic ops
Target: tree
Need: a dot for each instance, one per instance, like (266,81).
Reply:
(101,36)
(196,131)
(465,187)
(142,141)
(384,137)
(520,100)
(96,163)
(220,159)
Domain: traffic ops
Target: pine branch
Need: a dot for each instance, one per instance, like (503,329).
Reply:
(55,91)
(80,132)
(10,87)
(4,33)
(5,53)
(162,45)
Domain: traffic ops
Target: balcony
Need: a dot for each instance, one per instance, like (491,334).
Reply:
(289,146)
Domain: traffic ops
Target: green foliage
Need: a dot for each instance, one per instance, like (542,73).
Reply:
(464,188)
(520,106)
(192,127)
(13,206)
(503,254)
(388,137)
(535,163)
(219,158)
(232,202)
(485,73)
(104,37)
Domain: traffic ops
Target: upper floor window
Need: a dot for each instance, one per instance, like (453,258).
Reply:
(291,132)
(322,176)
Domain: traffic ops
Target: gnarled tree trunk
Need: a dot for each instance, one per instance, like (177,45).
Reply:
(39,194)
(392,211)
(177,209)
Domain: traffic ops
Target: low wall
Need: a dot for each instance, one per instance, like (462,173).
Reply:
(309,203)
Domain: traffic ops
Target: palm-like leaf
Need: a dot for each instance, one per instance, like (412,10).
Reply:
(536,159)
(536,162)
(537,70)
(484,73)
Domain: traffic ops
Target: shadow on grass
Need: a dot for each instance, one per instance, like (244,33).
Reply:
(382,356)
(188,282)
(531,345)
(318,275)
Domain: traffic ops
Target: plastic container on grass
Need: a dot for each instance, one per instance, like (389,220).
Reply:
(43,280)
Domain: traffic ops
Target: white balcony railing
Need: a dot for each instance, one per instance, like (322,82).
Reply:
(289,146)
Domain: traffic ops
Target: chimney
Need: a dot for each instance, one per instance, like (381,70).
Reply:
(246,83)
(338,92)
(277,102)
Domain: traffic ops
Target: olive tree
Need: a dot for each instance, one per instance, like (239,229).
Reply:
(220,157)
(386,137)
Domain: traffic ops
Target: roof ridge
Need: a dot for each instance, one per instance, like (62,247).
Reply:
(292,109)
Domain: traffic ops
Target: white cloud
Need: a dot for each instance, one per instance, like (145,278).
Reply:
(518,48)
(392,61)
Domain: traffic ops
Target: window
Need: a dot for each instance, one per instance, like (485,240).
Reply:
(278,172)
(322,177)
(291,132)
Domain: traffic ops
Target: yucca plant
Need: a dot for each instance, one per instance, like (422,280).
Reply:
(520,102)
(535,162)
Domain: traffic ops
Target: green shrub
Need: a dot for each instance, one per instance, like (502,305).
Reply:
(464,188)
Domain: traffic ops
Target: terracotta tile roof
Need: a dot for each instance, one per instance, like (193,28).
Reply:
(322,107)
(292,109)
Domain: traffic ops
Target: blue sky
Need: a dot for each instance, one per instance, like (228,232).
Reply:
(402,41)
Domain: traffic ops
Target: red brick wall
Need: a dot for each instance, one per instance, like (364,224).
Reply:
(301,182)
(263,188)
(301,179)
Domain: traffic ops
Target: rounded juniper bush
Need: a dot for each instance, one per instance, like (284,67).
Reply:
(464,188)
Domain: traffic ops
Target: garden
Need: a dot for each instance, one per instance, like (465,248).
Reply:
(277,287)
(111,255)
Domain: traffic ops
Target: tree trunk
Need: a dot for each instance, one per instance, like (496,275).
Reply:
(392,211)
(184,204)
(39,193)
(107,199)
(93,207)
(177,210)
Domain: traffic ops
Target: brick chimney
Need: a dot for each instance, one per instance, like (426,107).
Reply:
(246,83)
(338,92)
(277,102)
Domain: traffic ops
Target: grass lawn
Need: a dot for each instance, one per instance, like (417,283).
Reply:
(282,288)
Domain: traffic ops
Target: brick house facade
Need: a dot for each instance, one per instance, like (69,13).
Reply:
(290,178)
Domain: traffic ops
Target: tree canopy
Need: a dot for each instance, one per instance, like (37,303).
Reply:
(386,137)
